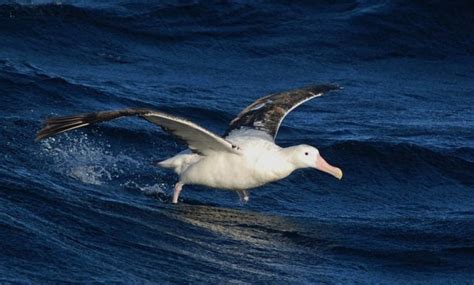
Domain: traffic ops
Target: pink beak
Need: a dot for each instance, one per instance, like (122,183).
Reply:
(322,165)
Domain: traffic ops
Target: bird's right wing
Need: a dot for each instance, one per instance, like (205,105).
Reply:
(196,137)
(264,116)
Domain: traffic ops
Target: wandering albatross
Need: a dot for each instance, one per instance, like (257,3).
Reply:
(245,157)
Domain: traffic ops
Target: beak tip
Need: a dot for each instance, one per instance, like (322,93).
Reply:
(322,165)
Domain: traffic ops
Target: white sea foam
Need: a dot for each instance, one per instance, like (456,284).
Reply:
(85,160)
(158,188)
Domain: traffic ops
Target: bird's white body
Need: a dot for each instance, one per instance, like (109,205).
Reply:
(260,161)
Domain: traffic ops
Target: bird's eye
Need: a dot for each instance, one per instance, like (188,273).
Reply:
(306,153)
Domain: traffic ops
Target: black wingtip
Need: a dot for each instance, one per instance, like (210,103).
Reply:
(38,138)
(57,125)
(323,88)
(338,87)
(335,86)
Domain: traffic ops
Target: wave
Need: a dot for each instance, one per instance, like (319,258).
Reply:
(408,160)
(86,213)
(408,28)
(90,206)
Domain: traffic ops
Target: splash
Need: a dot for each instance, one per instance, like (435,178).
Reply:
(158,190)
(154,189)
(85,160)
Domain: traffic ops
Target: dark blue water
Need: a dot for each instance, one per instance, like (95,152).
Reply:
(88,206)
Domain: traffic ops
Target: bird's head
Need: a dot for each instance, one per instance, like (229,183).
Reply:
(304,156)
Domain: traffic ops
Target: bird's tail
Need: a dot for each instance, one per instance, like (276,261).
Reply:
(180,162)
(58,125)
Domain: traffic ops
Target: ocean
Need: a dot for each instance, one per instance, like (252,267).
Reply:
(88,206)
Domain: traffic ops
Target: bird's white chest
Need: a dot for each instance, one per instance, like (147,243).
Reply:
(259,163)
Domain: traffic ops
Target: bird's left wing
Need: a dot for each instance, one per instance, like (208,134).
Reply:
(266,114)
(196,137)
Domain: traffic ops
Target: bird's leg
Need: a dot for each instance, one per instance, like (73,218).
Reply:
(243,195)
(177,189)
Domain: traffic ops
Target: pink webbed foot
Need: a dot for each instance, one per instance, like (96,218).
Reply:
(177,189)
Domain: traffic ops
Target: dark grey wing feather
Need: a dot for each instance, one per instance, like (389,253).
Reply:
(267,113)
(196,137)
(57,125)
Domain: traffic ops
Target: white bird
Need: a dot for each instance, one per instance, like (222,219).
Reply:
(244,158)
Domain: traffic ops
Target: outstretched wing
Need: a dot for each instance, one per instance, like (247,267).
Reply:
(196,137)
(267,113)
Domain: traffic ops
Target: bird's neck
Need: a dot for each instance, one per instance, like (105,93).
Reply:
(275,166)
(289,154)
